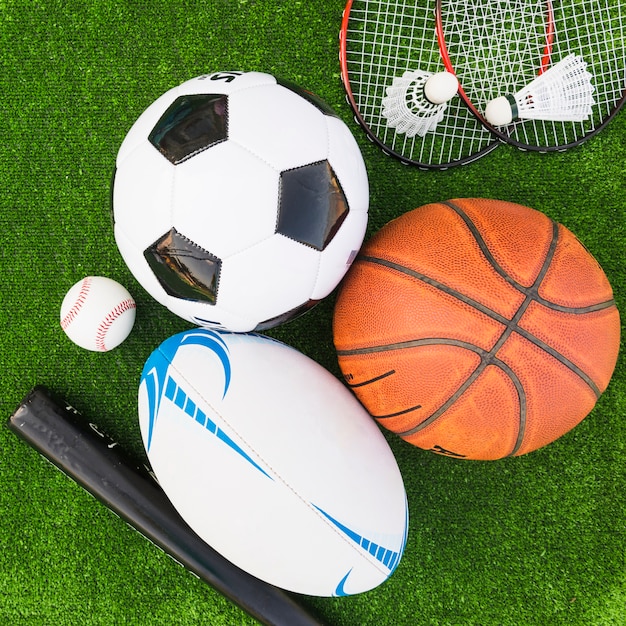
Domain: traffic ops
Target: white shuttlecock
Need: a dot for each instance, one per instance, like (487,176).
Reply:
(562,93)
(416,101)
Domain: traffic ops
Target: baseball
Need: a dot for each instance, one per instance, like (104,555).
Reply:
(97,313)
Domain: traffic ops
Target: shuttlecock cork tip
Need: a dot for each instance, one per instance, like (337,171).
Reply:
(500,111)
(441,87)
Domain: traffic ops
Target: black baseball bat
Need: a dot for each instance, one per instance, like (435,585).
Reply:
(96,462)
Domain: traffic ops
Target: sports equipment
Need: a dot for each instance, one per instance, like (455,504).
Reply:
(308,492)
(476,328)
(97,313)
(416,102)
(388,50)
(239,200)
(498,48)
(562,93)
(441,87)
(96,462)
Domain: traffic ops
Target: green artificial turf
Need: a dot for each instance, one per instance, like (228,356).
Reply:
(536,540)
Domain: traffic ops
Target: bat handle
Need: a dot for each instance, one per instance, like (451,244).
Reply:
(97,463)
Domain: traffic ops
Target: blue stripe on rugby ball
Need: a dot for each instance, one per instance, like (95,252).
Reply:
(389,558)
(248,437)
(161,384)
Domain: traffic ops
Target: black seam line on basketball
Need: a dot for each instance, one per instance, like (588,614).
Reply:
(437,285)
(531,293)
(489,358)
(496,266)
(523,406)
(426,342)
(521,395)
(478,306)
(525,290)
(592,308)
(412,343)
(403,412)
(371,380)
(561,359)
(484,248)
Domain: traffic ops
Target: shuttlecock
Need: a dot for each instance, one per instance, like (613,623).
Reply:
(416,101)
(562,93)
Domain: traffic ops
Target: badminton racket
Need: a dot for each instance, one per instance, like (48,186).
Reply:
(519,50)
(388,50)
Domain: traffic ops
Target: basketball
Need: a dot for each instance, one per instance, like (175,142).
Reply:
(478,329)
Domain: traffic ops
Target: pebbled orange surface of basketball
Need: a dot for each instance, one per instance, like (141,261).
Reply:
(476,328)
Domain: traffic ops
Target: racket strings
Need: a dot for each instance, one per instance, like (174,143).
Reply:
(593,29)
(487,62)
(381,43)
(383,40)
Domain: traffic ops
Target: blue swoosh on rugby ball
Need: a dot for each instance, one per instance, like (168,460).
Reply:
(176,394)
(155,370)
(386,556)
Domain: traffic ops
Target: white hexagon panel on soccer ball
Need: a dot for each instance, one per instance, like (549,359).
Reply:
(270,279)
(225,199)
(347,162)
(142,189)
(278,125)
(200,314)
(340,253)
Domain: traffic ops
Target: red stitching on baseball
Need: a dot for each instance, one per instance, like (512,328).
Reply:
(78,304)
(122,307)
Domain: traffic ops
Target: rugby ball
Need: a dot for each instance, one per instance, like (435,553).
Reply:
(273,462)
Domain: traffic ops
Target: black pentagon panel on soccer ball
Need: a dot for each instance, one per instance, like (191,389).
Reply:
(184,269)
(312,205)
(190,125)
(286,317)
(315,100)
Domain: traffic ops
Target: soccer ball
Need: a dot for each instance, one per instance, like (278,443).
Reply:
(239,200)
